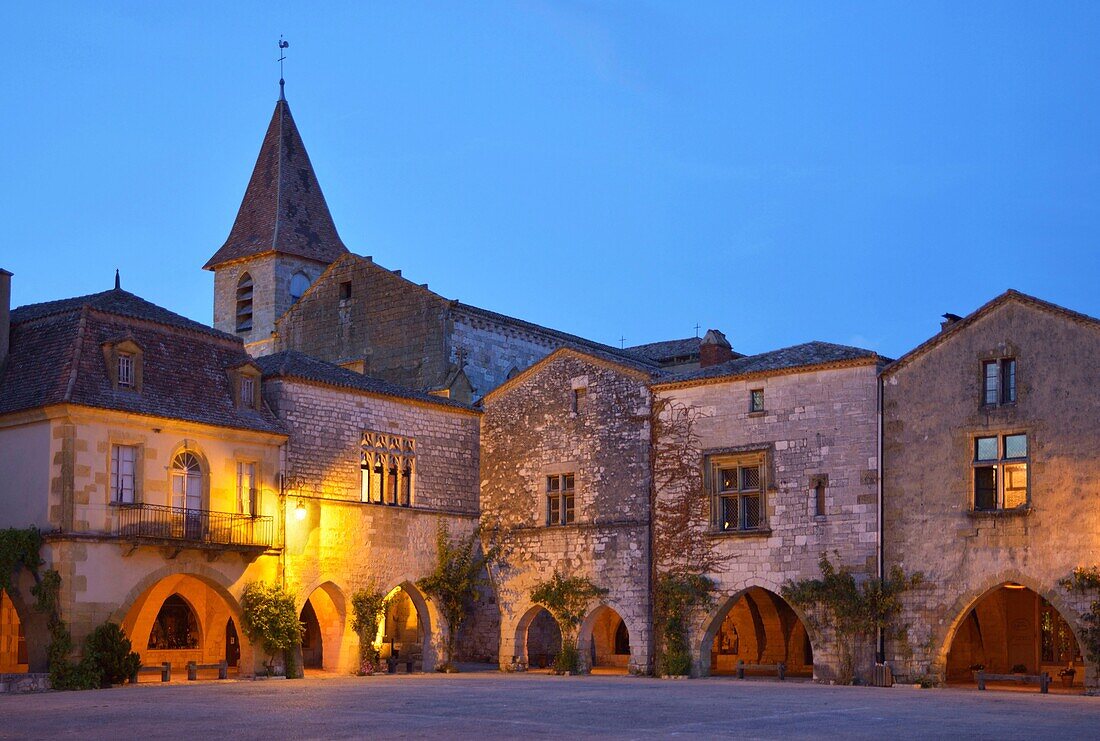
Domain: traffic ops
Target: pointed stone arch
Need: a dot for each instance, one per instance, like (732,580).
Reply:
(596,640)
(536,629)
(330,604)
(433,630)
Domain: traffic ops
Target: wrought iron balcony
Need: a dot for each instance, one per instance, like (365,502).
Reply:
(193,526)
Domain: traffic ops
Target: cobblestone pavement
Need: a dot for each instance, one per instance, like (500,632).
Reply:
(491,705)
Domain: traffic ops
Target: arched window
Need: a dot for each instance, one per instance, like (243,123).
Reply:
(186,475)
(244,303)
(622,640)
(175,627)
(299,284)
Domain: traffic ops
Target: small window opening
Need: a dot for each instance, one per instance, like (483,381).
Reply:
(244,303)
(126,369)
(345,290)
(819,498)
(756,400)
(299,284)
(560,499)
(248,392)
(580,399)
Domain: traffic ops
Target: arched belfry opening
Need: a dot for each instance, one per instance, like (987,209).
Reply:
(243,314)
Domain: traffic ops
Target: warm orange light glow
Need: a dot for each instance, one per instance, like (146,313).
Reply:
(1012,585)
(300,511)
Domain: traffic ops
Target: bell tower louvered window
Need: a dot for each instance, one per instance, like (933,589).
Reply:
(244,303)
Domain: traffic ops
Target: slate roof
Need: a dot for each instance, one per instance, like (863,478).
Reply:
(283,209)
(294,364)
(607,352)
(57,357)
(787,358)
(666,350)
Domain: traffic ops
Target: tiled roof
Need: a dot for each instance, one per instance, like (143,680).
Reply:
(787,358)
(57,357)
(283,209)
(666,350)
(612,354)
(120,303)
(294,364)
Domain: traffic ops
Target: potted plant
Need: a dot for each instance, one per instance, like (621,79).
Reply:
(1067,675)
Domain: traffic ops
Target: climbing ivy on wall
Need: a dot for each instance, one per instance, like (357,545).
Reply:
(367,606)
(853,611)
(676,596)
(566,598)
(18,550)
(269,618)
(1086,580)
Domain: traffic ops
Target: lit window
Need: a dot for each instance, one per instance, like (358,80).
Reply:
(187,481)
(756,400)
(1000,472)
(999,381)
(123,468)
(244,303)
(246,489)
(126,369)
(738,493)
(387,468)
(560,499)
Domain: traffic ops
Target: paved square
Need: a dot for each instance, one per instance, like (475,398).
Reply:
(491,705)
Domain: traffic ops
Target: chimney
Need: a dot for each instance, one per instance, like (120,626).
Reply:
(948,320)
(714,349)
(5,314)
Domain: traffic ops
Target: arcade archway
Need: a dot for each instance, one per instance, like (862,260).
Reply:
(1013,629)
(406,628)
(758,627)
(323,617)
(538,638)
(13,639)
(605,639)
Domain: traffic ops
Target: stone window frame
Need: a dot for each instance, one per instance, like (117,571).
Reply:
(239,377)
(387,465)
(114,352)
(189,447)
(290,285)
(244,297)
(253,493)
(999,464)
(114,442)
(756,401)
(1005,387)
(739,458)
(561,499)
(580,396)
(819,485)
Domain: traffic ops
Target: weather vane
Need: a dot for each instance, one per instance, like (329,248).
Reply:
(282,55)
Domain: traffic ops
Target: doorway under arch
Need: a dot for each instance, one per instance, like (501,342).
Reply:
(405,630)
(324,617)
(757,626)
(181,618)
(538,638)
(605,640)
(13,639)
(1013,629)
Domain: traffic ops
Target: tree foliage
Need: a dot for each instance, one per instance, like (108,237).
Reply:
(1086,580)
(854,611)
(368,605)
(19,549)
(454,584)
(676,596)
(269,619)
(108,653)
(567,599)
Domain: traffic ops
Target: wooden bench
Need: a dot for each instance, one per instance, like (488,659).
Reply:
(780,669)
(164,670)
(193,669)
(1043,680)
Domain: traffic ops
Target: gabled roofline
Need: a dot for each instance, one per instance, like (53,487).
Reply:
(1010,295)
(790,370)
(629,369)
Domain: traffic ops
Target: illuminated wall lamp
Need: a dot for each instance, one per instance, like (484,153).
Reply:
(300,510)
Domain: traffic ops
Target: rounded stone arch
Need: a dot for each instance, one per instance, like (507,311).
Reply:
(431,622)
(332,605)
(942,637)
(520,634)
(706,628)
(585,635)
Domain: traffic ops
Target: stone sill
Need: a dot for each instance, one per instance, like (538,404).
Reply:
(761,413)
(761,533)
(994,513)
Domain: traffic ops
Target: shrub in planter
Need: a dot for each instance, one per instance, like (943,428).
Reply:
(108,653)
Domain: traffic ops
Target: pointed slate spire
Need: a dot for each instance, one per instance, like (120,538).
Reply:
(118,281)
(283,210)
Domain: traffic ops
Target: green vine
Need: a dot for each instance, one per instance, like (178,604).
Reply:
(367,606)
(269,618)
(19,550)
(854,611)
(1086,580)
(676,596)
(566,598)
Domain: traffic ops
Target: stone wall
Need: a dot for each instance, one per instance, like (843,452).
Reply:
(530,431)
(494,350)
(815,424)
(933,412)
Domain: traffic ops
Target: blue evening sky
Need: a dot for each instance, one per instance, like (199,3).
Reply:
(783,172)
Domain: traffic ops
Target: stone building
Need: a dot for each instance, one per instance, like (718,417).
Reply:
(565,474)
(783,447)
(990,490)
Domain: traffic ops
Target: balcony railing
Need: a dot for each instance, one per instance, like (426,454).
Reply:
(193,525)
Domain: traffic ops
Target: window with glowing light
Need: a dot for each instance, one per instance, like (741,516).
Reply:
(737,493)
(1000,473)
(388,468)
(561,499)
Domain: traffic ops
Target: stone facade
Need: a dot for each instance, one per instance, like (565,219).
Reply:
(816,425)
(933,414)
(533,429)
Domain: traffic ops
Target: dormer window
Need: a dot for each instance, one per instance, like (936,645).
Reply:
(248,392)
(245,380)
(126,370)
(244,303)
